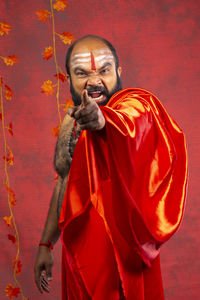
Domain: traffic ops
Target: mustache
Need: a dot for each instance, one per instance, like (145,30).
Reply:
(101,89)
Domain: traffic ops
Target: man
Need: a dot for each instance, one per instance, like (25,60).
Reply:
(122,171)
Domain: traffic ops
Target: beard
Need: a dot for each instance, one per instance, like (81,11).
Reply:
(102,89)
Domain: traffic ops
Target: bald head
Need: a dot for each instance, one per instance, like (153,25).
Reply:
(91,42)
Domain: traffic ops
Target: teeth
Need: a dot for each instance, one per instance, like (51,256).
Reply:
(96,98)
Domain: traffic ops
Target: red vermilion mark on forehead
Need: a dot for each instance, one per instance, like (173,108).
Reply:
(93,67)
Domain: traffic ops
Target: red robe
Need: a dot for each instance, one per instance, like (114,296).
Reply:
(124,199)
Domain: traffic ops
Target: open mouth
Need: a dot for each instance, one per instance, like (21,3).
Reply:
(98,96)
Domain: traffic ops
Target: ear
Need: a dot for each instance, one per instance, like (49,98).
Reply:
(68,78)
(119,71)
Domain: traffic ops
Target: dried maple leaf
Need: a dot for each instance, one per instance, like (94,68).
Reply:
(17,266)
(61,76)
(47,53)
(10,191)
(12,238)
(8,221)
(10,129)
(9,92)
(42,15)
(47,87)
(67,37)
(12,291)
(10,60)
(11,194)
(4,28)
(13,200)
(68,103)
(60,5)
(9,158)
(55,131)
(56,177)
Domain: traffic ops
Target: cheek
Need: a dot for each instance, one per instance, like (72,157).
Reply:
(79,84)
(110,82)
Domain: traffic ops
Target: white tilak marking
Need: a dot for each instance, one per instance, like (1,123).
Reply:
(81,60)
(82,55)
(101,52)
(101,57)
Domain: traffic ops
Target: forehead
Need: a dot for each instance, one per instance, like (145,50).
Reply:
(84,51)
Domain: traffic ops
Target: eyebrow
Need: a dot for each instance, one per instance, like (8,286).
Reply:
(79,69)
(84,71)
(105,65)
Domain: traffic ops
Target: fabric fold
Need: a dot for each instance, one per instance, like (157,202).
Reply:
(133,174)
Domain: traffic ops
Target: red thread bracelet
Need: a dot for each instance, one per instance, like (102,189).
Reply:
(49,245)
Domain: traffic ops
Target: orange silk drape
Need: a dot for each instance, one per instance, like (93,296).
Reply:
(124,198)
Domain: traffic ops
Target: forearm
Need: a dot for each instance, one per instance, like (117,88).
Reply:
(51,230)
(65,146)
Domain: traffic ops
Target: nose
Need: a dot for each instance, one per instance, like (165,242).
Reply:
(94,80)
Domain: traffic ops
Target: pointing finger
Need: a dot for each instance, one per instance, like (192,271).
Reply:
(85,98)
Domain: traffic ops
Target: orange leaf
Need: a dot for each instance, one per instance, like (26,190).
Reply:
(10,60)
(69,103)
(12,291)
(11,194)
(10,158)
(56,177)
(61,76)
(47,87)
(17,266)
(13,200)
(60,5)
(10,191)
(12,238)
(4,28)
(42,15)
(8,221)
(10,129)
(67,37)
(55,131)
(47,53)
(9,92)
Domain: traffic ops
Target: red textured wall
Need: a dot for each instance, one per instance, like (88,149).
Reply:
(158,43)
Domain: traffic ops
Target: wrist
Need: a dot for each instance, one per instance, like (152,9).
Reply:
(48,245)
(102,121)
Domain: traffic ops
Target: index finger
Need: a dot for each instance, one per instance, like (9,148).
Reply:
(85,98)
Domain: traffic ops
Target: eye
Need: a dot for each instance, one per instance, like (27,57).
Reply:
(104,71)
(81,74)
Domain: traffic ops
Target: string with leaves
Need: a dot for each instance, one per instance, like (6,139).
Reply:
(48,87)
(6,95)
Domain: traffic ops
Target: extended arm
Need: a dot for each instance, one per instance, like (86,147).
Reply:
(44,260)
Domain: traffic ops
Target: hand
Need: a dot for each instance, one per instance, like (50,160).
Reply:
(88,114)
(42,269)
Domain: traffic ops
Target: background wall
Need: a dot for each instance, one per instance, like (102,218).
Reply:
(158,43)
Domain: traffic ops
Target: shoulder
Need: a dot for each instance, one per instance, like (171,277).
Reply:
(137,98)
(131,94)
